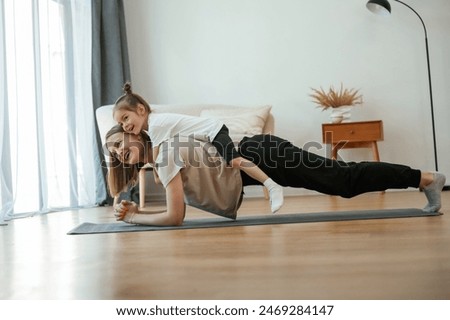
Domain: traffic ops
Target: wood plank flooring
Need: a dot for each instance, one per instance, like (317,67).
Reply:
(405,258)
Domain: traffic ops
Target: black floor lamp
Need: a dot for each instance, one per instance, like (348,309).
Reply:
(382,7)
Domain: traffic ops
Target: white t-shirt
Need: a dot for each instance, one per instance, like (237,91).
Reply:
(208,183)
(163,126)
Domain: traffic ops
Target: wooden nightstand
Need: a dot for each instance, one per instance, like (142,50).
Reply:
(363,134)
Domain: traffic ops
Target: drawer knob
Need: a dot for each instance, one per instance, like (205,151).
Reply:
(352,132)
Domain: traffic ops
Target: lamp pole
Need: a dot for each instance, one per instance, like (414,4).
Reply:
(386,6)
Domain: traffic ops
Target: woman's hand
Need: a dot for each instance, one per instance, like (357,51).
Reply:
(174,215)
(125,211)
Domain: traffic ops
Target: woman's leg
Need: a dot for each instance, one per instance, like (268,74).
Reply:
(432,185)
(291,166)
(294,167)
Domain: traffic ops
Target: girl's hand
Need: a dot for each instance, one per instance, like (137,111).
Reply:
(125,211)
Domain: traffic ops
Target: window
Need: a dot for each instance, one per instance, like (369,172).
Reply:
(49,147)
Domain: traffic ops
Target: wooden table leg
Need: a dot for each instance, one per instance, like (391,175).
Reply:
(142,188)
(376,155)
(334,151)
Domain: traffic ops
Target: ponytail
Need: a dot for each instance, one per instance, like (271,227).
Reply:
(130,100)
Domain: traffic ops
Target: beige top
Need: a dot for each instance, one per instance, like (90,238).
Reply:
(207,181)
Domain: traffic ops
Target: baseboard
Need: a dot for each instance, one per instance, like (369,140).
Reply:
(446,188)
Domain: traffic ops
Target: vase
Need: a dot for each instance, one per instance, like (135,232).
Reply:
(340,114)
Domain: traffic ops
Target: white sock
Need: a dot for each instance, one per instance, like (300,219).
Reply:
(433,193)
(275,194)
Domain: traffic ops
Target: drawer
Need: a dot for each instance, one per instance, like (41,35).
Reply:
(352,131)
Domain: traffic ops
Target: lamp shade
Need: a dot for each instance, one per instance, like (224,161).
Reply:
(379,7)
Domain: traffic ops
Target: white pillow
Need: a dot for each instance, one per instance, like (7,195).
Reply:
(241,121)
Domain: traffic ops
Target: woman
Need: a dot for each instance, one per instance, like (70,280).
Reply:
(134,114)
(192,172)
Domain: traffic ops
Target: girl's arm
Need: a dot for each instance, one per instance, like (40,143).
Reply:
(174,216)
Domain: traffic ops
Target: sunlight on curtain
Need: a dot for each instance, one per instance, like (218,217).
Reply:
(5,168)
(51,132)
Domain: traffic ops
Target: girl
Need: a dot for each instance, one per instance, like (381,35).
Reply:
(184,165)
(134,115)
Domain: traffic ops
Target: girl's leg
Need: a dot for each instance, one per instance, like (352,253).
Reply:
(228,151)
(252,170)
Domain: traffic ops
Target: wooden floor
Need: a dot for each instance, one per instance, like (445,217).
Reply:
(405,258)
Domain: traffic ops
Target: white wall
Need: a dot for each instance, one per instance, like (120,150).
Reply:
(251,52)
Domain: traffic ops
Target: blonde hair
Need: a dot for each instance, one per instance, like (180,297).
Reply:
(129,100)
(121,176)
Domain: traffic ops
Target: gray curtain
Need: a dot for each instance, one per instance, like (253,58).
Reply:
(110,65)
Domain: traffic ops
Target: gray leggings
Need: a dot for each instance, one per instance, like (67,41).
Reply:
(291,166)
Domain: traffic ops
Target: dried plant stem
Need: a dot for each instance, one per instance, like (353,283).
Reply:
(335,98)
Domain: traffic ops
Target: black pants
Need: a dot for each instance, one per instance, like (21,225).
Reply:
(225,146)
(291,166)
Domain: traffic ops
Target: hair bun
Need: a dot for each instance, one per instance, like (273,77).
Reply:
(127,88)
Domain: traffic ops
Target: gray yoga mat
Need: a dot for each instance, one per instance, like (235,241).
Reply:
(92,228)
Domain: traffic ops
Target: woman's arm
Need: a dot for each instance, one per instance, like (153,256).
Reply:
(155,175)
(155,152)
(174,216)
